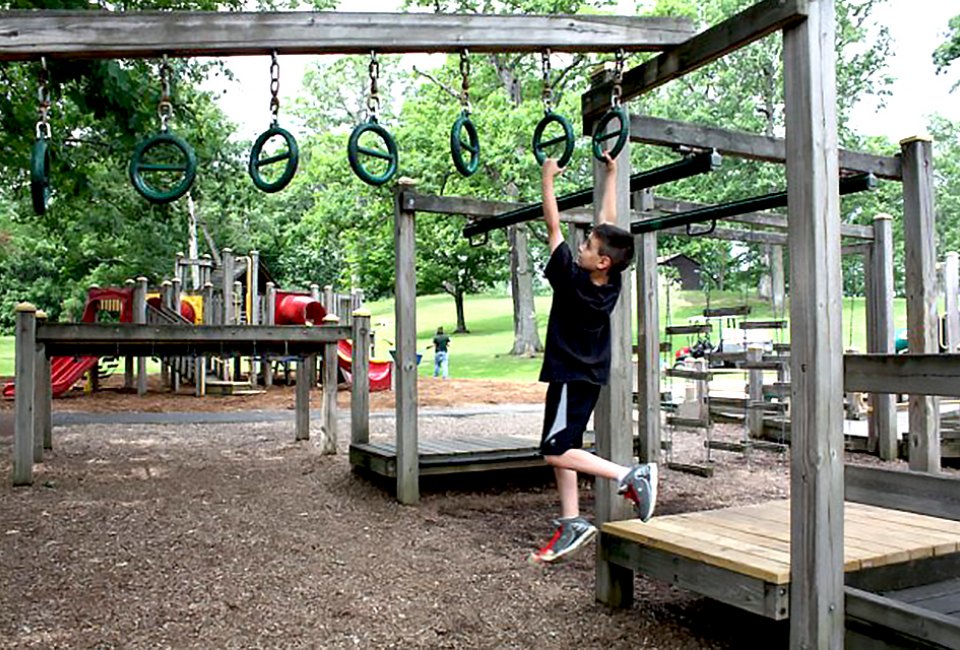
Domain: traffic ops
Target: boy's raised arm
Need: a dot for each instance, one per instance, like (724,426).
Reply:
(551,214)
(608,208)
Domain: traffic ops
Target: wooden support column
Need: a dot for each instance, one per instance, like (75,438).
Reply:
(140,318)
(25,377)
(226,287)
(405,245)
(613,417)
(777,290)
(882,422)
(816,342)
(648,343)
(951,286)
(130,284)
(269,318)
(176,363)
(166,365)
(360,393)
(43,400)
(203,360)
(919,245)
(328,432)
(754,416)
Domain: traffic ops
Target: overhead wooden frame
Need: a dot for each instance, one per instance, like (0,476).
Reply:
(95,34)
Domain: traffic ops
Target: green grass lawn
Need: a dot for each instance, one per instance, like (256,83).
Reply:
(484,353)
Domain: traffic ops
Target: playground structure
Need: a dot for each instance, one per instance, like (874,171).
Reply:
(811,548)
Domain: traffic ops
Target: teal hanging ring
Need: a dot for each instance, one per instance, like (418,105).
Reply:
(40,176)
(390,155)
(567,138)
(139,164)
(291,155)
(599,137)
(471,145)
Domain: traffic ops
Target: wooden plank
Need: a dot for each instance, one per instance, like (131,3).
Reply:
(916,374)
(671,330)
(25,378)
(740,144)
(751,24)
(360,394)
(90,34)
(904,618)
(719,312)
(704,471)
(405,274)
(694,375)
(882,422)
(918,492)
(763,325)
(688,423)
(919,245)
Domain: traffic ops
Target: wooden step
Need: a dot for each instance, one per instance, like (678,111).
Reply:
(689,423)
(718,312)
(698,470)
(696,375)
(763,324)
(688,329)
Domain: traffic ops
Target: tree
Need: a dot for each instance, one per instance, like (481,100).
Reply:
(949,50)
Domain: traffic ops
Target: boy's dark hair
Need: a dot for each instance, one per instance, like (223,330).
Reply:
(616,243)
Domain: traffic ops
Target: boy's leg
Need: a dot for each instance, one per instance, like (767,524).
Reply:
(569,492)
(436,365)
(445,364)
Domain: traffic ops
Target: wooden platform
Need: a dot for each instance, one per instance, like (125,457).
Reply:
(451,455)
(741,555)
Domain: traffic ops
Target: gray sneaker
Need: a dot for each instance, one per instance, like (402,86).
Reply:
(640,487)
(572,535)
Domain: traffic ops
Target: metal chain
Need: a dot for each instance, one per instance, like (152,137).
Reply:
(43,102)
(373,101)
(165,107)
(274,87)
(547,94)
(617,92)
(465,80)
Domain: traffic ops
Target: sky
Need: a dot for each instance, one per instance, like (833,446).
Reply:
(917,92)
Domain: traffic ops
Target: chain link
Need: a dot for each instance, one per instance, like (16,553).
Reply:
(274,87)
(465,80)
(617,92)
(43,102)
(547,94)
(165,107)
(373,101)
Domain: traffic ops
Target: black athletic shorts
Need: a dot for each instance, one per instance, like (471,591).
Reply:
(567,412)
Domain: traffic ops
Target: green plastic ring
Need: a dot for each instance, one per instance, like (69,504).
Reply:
(568,140)
(138,165)
(390,155)
(40,176)
(458,145)
(599,135)
(291,155)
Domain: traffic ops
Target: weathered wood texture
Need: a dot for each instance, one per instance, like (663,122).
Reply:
(404,237)
(749,25)
(816,465)
(25,377)
(91,34)
(360,393)
(918,492)
(739,144)
(648,346)
(915,374)
(951,286)
(905,625)
(919,245)
(882,422)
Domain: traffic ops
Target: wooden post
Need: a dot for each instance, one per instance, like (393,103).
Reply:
(328,433)
(919,245)
(404,237)
(254,316)
(315,292)
(43,400)
(25,377)
(269,318)
(140,318)
(302,401)
(166,365)
(329,299)
(131,285)
(202,361)
(226,288)
(816,341)
(951,285)
(754,414)
(360,393)
(777,290)
(176,363)
(613,416)
(882,423)
(648,343)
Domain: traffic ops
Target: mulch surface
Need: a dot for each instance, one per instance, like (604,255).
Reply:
(237,536)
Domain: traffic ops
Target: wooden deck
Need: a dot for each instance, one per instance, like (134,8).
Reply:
(451,455)
(742,555)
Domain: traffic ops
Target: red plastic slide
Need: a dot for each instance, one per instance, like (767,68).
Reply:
(380,371)
(64,373)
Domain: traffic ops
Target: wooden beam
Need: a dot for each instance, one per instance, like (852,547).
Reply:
(405,335)
(920,256)
(882,421)
(914,374)
(25,377)
(96,34)
(816,337)
(910,622)
(749,25)
(481,208)
(919,492)
(739,144)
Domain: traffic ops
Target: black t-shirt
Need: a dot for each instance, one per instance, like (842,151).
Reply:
(441,341)
(578,331)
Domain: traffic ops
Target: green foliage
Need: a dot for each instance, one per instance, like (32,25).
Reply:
(948,51)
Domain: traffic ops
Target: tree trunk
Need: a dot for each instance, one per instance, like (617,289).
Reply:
(461,320)
(526,338)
